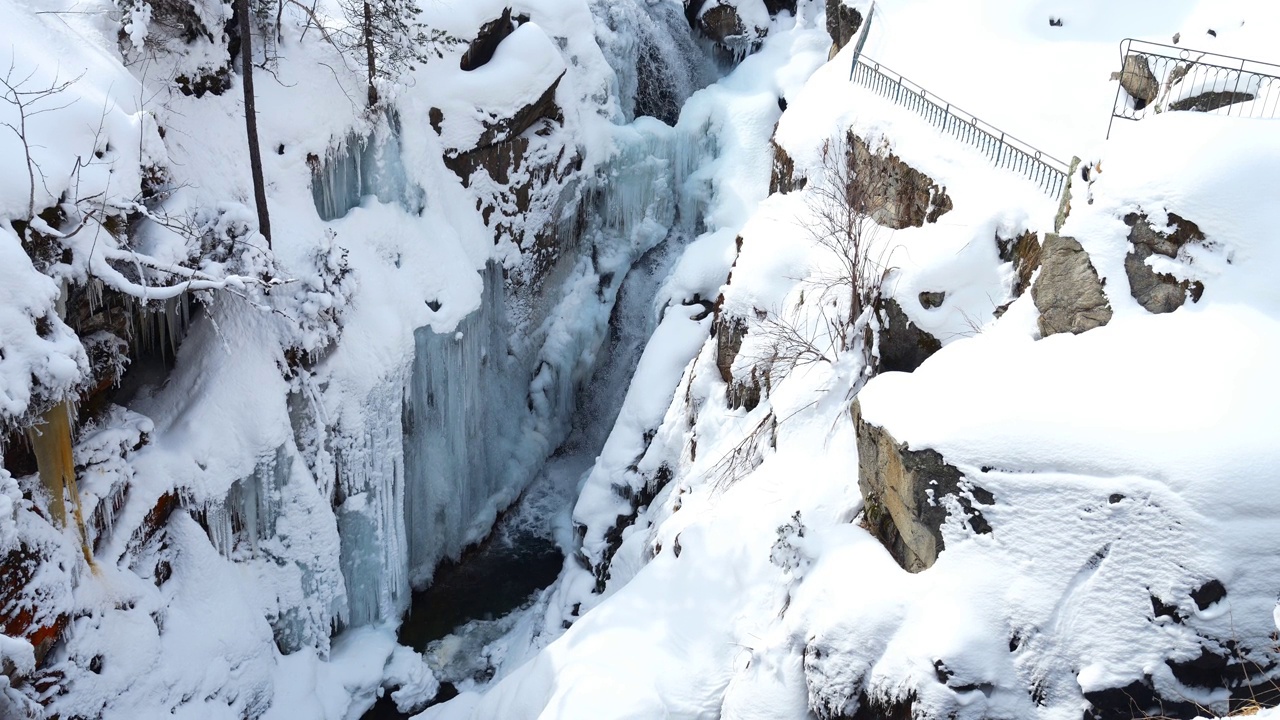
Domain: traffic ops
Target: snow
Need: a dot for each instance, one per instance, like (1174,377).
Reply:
(364,398)
(1125,464)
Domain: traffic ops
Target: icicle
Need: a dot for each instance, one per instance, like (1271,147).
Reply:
(363,166)
(51,441)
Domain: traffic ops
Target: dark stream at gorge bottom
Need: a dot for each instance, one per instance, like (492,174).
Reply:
(489,581)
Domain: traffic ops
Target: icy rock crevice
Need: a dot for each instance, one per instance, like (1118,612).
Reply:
(361,166)
(656,59)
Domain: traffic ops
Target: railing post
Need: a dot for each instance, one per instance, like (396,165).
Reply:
(866,30)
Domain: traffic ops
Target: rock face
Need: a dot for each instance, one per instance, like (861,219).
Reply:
(1136,78)
(1068,293)
(903,491)
(1159,292)
(892,192)
(784,179)
(28,609)
(720,21)
(524,176)
(1024,252)
(729,333)
(491,34)
(843,22)
(903,345)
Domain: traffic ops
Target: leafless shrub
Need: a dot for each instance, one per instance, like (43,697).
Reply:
(842,205)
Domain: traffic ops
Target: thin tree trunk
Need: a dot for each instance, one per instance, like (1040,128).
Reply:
(368,49)
(251,121)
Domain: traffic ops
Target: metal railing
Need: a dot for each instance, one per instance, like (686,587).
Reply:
(1157,78)
(1004,150)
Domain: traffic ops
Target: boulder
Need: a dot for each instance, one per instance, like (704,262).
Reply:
(903,491)
(1159,292)
(932,300)
(892,192)
(544,108)
(1068,292)
(1138,81)
(843,22)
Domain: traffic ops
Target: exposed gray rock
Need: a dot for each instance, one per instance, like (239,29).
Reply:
(1024,252)
(843,22)
(1159,292)
(784,179)
(729,332)
(1136,78)
(1210,101)
(903,345)
(1068,293)
(892,192)
(931,300)
(903,492)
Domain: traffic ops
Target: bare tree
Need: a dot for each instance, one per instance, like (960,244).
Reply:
(841,208)
(391,39)
(251,121)
(30,102)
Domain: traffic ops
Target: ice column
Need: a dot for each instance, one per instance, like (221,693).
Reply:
(365,166)
(463,414)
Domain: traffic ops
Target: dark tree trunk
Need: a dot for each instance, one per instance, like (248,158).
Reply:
(251,121)
(368,50)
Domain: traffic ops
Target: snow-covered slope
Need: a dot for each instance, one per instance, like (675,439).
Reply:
(861,481)
(1109,545)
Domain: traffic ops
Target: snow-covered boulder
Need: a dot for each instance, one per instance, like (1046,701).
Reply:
(738,26)
(1160,292)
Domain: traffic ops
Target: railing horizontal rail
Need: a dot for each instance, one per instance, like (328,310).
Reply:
(1004,150)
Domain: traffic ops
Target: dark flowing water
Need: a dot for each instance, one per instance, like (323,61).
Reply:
(489,581)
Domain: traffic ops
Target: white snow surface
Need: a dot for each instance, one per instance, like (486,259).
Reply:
(1131,462)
